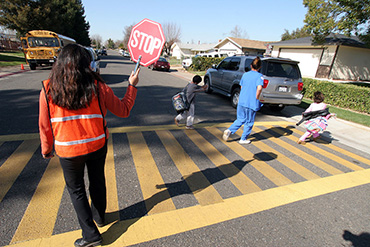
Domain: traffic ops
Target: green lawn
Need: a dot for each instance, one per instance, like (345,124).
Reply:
(9,58)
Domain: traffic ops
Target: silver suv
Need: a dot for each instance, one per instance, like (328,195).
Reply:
(282,84)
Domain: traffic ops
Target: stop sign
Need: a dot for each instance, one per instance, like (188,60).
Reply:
(146,39)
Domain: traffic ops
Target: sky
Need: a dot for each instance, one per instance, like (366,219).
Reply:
(204,21)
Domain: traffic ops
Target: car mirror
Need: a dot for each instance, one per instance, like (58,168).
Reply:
(214,66)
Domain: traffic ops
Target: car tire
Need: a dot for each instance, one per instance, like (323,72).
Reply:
(235,97)
(276,108)
(32,66)
(207,82)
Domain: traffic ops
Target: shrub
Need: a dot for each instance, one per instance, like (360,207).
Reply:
(204,63)
(348,96)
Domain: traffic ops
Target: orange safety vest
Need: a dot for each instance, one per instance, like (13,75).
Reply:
(76,132)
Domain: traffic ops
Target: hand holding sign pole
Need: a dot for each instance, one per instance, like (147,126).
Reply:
(146,42)
(137,64)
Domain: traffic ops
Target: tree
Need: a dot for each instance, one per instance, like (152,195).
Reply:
(96,41)
(110,44)
(238,32)
(338,16)
(298,33)
(172,34)
(126,35)
(61,16)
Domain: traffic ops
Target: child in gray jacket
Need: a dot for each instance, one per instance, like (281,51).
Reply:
(191,89)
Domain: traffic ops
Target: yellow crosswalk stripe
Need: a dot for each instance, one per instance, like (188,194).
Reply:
(331,156)
(274,176)
(300,153)
(268,171)
(13,166)
(41,213)
(291,164)
(156,199)
(238,178)
(110,174)
(203,190)
(348,153)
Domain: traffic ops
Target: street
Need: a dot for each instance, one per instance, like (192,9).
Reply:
(168,186)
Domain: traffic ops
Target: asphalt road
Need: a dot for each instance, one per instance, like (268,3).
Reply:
(174,187)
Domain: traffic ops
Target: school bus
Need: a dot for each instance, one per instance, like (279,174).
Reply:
(41,47)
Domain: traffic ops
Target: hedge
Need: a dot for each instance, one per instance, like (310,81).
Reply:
(343,95)
(204,63)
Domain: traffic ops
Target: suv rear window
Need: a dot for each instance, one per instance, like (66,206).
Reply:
(277,69)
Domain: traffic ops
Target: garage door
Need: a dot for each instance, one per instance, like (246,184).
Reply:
(309,59)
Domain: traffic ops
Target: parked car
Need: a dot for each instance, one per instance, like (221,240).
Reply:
(126,54)
(186,63)
(282,81)
(95,60)
(160,64)
(102,52)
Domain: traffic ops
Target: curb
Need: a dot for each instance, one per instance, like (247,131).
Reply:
(13,73)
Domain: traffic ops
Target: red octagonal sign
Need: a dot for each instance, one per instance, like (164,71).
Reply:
(146,39)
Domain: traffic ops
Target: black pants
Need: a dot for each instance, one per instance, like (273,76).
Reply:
(73,169)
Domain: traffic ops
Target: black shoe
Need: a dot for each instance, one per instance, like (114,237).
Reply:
(83,243)
(100,224)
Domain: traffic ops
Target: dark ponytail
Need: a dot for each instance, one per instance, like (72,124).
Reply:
(256,64)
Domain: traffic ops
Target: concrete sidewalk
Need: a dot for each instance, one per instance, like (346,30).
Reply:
(351,134)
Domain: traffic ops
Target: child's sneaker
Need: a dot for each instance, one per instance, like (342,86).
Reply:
(190,127)
(226,134)
(301,142)
(244,141)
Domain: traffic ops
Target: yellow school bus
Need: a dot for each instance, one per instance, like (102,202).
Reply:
(41,47)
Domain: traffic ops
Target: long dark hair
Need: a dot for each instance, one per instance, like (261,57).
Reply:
(71,79)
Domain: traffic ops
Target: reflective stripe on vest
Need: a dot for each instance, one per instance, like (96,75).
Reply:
(70,143)
(77,132)
(63,119)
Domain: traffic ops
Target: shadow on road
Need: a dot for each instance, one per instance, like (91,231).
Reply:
(131,214)
(361,240)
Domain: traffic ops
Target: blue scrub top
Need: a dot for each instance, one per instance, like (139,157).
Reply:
(249,83)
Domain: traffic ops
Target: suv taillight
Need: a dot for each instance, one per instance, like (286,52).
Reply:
(300,86)
(265,83)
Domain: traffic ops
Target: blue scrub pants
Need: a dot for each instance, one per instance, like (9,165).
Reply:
(246,116)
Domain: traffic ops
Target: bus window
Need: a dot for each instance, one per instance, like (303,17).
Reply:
(24,43)
(42,41)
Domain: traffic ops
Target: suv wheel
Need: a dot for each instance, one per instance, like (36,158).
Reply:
(235,97)
(276,107)
(206,82)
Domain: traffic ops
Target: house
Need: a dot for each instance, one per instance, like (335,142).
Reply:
(228,46)
(233,46)
(180,50)
(338,58)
